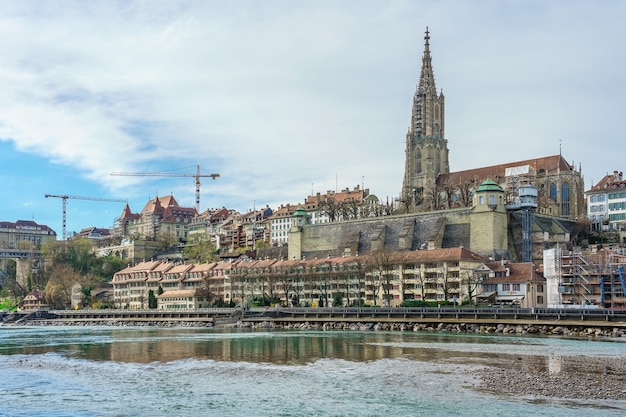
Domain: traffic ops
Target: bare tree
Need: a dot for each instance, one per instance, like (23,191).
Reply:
(331,208)
(432,199)
(472,281)
(446,195)
(349,209)
(376,270)
(322,283)
(464,190)
(403,263)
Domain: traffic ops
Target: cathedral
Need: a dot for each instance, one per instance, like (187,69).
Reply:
(429,185)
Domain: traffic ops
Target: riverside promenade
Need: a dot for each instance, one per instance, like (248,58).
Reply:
(288,317)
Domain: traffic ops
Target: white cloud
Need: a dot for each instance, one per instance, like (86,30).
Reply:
(279,95)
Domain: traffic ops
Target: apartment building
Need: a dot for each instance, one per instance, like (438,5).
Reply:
(606,203)
(24,232)
(279,224)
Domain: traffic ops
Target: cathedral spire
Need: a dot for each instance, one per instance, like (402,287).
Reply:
(426,147)
(427,77)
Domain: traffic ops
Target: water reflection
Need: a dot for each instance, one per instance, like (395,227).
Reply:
(146,345)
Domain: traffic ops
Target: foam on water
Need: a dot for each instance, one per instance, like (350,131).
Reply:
(72,381)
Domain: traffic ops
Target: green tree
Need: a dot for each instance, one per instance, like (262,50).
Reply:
(86,292)
(58,290)
(201,252)
(152,300)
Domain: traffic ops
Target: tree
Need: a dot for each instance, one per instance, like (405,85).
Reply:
(166,240)
(349,209)
(201,252)
(382,263)
(323,282)
(403,263)
(152,300)
(331,208)
(464,192)
(472,281)
(58,290)
(86,292)
(372,278)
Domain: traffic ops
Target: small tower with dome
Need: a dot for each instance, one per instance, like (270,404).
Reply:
(488,221)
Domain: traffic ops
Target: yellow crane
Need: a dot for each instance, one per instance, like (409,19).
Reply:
(197,176)
(75,197)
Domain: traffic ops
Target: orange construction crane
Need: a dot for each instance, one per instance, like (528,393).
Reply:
(197,176)
(75,197)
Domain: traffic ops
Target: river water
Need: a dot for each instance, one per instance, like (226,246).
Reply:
(149,371)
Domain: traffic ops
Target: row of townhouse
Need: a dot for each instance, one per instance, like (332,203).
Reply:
(455,275)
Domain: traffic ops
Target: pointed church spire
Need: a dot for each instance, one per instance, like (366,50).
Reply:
(427,77)
(426,147)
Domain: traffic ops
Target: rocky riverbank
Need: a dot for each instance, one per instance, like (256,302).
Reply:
(574,377)
(521,329)
(556,330)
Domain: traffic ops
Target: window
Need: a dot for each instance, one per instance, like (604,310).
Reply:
(553,191)
(481,200)
(492,200)
(540,288)
(516,287)
(506,287)
(565,207)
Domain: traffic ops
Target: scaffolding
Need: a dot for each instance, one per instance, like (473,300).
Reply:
(593,277)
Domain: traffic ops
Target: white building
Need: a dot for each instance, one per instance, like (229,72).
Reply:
(606,203)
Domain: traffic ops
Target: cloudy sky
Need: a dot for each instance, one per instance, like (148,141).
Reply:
(286,98)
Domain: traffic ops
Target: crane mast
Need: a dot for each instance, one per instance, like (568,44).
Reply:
(197,175)
(65,197)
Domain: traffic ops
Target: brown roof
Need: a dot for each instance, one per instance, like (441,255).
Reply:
(343,195)
(178,293)
(609,182)
(518,273)
(546,164)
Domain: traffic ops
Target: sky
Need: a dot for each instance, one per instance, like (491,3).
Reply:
(287,98)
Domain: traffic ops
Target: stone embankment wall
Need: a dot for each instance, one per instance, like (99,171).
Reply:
(521,329)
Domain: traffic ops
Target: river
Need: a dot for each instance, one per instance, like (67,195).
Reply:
(151,371)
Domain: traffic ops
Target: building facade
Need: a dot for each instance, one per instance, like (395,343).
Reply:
(606,203)
(24,234)
(454,275)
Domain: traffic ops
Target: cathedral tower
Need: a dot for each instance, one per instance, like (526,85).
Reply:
(426,155)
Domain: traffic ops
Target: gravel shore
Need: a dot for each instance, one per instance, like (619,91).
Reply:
(571,377)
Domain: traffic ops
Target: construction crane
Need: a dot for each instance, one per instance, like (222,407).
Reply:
(75,197)
(197,176)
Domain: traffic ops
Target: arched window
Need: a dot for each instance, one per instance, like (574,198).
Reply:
(418,162)
(565,208)
(553,191)
(492,199)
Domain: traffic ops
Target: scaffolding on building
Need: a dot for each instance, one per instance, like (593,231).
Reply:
(593,277)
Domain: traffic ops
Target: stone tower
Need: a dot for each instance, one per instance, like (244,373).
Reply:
(426,155)
(488,221)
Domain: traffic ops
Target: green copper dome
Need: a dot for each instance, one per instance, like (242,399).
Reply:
(489,185)
(300,212)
